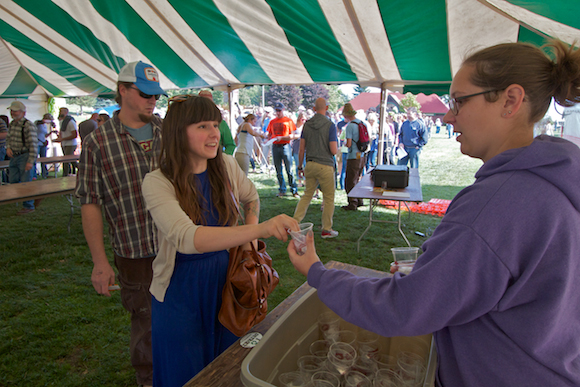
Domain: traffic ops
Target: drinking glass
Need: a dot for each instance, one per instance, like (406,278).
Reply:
(292,379)
(329,326)
(310,364)
(412,368)
(341,356)
(320,348)
(387,378)
(368,344)
(327,376)
(299,237)
(356,379)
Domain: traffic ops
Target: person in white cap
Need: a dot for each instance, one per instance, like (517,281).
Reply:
(21,148)
(114,159)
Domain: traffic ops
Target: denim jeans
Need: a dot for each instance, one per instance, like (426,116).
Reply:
(41,153)
(2,158)
(343,170)
(412,157)
(18,174)
(284,154)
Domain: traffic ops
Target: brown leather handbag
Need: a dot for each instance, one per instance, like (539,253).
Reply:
(251,278)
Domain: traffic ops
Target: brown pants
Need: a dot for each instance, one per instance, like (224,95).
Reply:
(135,279)
(353,173)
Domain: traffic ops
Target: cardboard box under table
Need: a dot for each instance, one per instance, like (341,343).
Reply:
(290,338)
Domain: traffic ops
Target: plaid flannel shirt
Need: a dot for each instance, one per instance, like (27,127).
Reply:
(14,139)
(112,166)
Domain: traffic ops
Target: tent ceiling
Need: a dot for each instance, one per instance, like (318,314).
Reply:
(76,47)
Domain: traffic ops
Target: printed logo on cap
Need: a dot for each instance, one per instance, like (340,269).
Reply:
(151,74)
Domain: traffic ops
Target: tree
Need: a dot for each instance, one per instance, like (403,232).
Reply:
(310,93)
(358,90)
(251,96)
(289,95)
(87,100)
(410,100)
(336,98)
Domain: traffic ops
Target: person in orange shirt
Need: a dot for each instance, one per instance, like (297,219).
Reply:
(282,129)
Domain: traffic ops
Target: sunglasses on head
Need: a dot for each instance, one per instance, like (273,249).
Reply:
(146,96)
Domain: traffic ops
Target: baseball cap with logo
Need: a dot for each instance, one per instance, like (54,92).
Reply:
(143,75)
(17,106)
(279,106)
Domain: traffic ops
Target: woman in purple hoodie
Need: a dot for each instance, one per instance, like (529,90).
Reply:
(498,283)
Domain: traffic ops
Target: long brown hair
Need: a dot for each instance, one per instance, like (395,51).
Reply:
(175,164)
(542,78)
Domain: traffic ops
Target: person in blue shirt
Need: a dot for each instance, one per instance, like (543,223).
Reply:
(412,138)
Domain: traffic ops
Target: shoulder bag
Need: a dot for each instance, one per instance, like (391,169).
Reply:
(250,280)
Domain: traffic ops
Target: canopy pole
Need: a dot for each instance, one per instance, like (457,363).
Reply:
(382,117)
(231,107)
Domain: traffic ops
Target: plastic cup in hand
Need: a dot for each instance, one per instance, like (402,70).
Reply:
(299,237)
(329,326)
(405,253)
(341,356)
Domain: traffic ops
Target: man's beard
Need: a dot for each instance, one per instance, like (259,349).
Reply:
(145,118)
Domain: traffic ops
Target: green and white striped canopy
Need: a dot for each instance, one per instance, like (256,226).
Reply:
(77,47)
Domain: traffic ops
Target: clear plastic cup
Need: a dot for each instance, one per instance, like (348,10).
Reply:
(299,237)
(329,326)
(309,364)
(368,344)
(341,356)
(327,376)
(405,253)
(356,379)
(320,348)
(292,379)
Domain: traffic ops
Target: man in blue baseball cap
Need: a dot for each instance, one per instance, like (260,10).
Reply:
(114,159)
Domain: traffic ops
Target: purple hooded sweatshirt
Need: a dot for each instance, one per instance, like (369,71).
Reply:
(498,283)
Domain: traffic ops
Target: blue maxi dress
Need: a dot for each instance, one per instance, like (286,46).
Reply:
(186,333)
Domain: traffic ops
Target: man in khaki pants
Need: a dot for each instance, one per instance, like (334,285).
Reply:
(319,144)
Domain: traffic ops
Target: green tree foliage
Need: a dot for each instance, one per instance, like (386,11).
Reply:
(410,100)
(289,95)
(251,96)
(84,101)
(310,93)
(336,98)
(358,90)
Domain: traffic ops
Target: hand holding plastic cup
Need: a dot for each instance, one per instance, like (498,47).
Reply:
(299,237)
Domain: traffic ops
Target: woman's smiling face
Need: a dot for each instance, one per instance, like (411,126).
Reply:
(204,142)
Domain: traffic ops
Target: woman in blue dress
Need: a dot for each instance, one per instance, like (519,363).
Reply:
(193,199)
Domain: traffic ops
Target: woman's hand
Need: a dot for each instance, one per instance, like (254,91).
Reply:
(302,263)
(278,227)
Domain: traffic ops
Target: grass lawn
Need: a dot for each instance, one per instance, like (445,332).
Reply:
(56,331)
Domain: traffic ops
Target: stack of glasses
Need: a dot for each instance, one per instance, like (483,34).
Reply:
(345,358)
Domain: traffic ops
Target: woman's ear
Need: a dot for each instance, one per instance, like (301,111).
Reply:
(514,97)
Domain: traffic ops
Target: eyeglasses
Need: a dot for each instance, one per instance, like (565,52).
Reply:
(146,96)
(454,102)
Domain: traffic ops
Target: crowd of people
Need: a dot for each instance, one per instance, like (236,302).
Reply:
(23,140)
(497,284)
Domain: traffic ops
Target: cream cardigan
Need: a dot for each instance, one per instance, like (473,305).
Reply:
(175,230)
